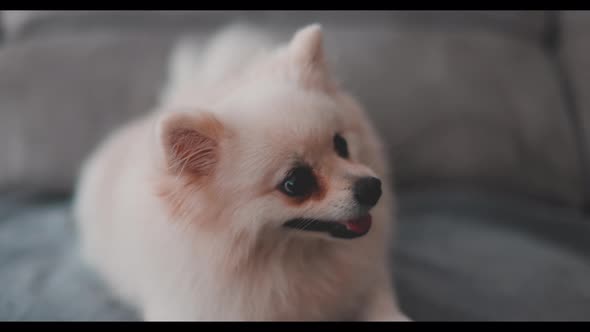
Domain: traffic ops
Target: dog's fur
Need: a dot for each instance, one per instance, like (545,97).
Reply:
(180,212)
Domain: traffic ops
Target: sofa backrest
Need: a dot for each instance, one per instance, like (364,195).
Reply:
(461,98)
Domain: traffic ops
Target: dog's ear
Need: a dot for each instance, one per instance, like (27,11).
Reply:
(306,51)
(306,47)
(190,142)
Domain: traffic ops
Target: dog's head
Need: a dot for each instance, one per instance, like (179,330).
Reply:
(284,150)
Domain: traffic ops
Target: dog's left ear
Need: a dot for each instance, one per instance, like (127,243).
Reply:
(306,51)
(306,46)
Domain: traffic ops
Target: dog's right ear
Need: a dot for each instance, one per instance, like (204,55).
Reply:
(306,52)
(306,47)
(190,142)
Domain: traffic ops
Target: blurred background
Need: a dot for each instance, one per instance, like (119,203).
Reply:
(485,115)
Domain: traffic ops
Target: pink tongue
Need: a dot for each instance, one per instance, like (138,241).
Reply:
(361,225)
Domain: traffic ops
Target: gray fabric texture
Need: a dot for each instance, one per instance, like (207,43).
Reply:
(575,54)
(463,97)
(464,255)
(42,274)
(527,25)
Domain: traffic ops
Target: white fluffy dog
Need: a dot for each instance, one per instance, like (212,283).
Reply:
(257,190)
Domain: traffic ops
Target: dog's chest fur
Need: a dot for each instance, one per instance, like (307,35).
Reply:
(328,288)
(299,281)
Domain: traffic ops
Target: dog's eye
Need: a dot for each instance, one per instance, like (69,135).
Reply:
(341,146)
(299,182)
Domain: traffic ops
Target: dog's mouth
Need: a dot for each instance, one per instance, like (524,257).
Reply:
(345,229)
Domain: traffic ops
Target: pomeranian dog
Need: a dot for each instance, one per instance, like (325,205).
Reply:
(257,190)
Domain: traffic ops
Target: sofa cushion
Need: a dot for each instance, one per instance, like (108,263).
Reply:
(575,56)
(62,95)
(464,255)
(459,97)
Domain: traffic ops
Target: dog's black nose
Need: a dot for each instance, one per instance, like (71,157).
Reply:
(367,191)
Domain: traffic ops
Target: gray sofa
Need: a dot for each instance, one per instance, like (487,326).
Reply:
(485,115)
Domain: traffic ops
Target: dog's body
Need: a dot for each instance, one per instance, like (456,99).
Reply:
(180,210)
